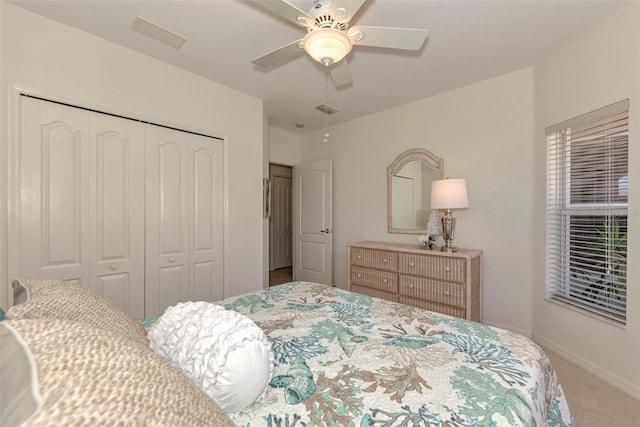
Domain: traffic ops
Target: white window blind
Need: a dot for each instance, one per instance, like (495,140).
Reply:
(587,187)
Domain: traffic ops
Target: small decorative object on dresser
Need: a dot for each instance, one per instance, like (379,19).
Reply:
(449,283)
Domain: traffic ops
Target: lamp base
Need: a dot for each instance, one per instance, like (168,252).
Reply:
(448,230)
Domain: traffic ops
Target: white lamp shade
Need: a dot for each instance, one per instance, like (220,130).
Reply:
(449,194)
(327,45)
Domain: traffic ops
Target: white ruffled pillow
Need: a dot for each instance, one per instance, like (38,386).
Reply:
(222,351)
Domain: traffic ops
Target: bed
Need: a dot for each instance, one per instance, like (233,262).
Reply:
(346,359)
(333,358)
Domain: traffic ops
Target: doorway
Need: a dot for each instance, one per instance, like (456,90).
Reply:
(281,224)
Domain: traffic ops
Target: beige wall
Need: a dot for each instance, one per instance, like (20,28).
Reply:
(284,147)
(484,132)
(43,55)
(596,69)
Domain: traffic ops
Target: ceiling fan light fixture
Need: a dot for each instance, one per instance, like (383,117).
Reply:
(327,45)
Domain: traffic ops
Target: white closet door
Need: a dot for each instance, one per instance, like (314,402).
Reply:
(116,216)
(184,196)
(52,188)
(166,273)
(81,204)
(206,218)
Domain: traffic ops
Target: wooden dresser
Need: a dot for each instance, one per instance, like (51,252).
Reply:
(449,283)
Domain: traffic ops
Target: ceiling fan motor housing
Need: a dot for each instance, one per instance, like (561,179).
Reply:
(323,18)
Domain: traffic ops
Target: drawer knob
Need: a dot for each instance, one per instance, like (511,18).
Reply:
(114,267)
(411,264)
(447,293)
(359,256)
(410,286)
(172,260)
(385,281)
(359,276)
(385,260)
(447,269)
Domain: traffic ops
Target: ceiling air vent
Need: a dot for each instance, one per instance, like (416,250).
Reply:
(159,33)
(326,109)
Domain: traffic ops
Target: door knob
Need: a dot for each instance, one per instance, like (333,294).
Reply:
(326,230)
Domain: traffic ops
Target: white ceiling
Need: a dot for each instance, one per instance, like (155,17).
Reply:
(469,41)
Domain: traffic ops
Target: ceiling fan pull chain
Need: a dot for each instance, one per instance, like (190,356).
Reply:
(326,97)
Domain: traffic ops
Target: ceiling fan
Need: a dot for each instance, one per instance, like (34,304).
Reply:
(329,37)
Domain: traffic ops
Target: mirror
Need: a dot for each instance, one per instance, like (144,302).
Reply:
(409,180)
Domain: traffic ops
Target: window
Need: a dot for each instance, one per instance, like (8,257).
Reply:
(587,187)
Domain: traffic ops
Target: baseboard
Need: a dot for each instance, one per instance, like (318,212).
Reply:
(617,382)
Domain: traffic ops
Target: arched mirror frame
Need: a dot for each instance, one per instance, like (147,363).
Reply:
(414,154)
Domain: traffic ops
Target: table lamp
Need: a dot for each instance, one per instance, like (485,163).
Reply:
(449,194)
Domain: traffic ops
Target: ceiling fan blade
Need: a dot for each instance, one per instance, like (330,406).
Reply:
(286,10)
(344,10)
(389,37)
(278,56)
(340,74)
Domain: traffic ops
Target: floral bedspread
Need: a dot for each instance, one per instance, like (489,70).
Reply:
(345,359)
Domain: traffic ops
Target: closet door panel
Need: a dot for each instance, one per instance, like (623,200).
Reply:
(172,191)
(167,277)
(172,287)
(117,212)
(52,208)
(204,275)
(116,287)
(206,218)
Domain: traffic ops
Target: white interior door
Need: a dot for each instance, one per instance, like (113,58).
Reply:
(281,222)
(313,238)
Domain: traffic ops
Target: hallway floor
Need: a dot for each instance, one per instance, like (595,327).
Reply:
(281,275)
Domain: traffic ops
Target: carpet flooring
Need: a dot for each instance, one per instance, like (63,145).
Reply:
(593,402)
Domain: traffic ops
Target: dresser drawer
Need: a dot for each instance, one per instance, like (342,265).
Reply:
(433,290)
(384,260)
(374,293)
(435,267)
(378,279)
(433,306)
